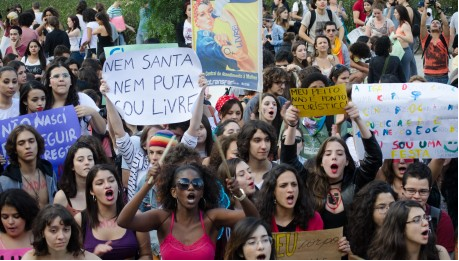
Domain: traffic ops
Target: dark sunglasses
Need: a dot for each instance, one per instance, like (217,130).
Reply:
(184,183)
(297,139)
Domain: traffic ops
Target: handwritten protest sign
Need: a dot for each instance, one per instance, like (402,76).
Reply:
(409,120)
(321,244)
(59,127)
(156,86)
(110,50)
(319,101)
(227,40)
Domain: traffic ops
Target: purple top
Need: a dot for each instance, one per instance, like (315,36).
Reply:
(127,247)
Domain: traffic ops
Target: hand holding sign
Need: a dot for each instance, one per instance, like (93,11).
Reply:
(157,86)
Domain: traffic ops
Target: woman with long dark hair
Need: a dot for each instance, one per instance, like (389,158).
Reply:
(74,32)
(34,59)
(62,91)
(367,214)
(103,32)
(32,97)
(405,36)
(405,235)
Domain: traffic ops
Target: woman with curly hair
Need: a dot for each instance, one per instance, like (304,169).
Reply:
(56,236)
(367,214)
(189,196)
(405,235)
(284,202)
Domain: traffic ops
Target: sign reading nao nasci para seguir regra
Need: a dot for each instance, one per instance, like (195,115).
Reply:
(409,120)
(320,244)
(59,128)
(319,101)
(155,86)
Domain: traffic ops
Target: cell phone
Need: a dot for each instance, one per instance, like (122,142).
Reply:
(268,37)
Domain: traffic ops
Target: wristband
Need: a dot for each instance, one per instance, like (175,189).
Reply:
(293,126)
(242,197)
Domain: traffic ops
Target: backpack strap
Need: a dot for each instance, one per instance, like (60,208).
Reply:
(313,20)
(330,15)
(386,62)
(435,213)
(428,40)
(443,40)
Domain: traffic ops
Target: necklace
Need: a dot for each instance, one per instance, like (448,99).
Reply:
(36,192)
(334,198)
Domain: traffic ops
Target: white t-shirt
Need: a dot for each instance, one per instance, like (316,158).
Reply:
(93,25)
(305,7)
(75,42)
(187,32)
(12,111)
(317,27)
(82,24)
(453,22)
(85,100)
(38,17)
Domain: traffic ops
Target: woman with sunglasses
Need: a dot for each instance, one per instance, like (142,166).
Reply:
(189,221)
(406,235)
(251,239)
(368,211)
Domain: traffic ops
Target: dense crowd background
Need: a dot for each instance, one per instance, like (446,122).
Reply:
(217,186)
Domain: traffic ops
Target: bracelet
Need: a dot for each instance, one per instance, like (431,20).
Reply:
(293,126)
(242,197)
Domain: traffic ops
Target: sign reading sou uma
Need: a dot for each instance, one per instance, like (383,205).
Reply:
(409,120)
(156,86)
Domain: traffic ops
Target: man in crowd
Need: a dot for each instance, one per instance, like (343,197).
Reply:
(338,47)
(15,42)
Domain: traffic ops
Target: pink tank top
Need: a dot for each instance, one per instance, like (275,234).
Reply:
(202,249)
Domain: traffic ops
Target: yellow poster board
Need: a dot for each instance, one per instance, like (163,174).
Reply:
(320,244)
(319,101)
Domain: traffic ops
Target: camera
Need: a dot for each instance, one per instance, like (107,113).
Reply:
(432,3)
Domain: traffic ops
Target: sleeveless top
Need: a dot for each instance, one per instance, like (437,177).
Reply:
(103,41)
(126,247)
(325,72)
(383,30)
(12,254)
(70,208)
(202,249)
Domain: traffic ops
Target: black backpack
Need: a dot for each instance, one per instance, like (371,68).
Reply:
(416,25)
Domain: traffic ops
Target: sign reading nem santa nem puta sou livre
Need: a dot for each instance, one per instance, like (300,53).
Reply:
(59,128)
(156,86)
(320,244)
(410,120)
(319,101)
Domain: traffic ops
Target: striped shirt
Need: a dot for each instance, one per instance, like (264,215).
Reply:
(135,158)
(114,12)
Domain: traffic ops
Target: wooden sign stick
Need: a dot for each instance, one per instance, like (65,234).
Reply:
(168,147)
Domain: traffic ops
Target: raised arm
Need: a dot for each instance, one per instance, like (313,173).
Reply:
(423,26)
(196,117)
(112,113)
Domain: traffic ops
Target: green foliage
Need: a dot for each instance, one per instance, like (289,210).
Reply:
(166,15)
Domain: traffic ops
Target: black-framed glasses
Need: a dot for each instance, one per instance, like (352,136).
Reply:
(418,219)
(297,139)
(184,183)
(412,191)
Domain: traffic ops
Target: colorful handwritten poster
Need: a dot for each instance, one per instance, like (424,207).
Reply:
(409,120)
(59,127)
(320,244)
(134,47)
(227,40)
(319,101)
(156,86)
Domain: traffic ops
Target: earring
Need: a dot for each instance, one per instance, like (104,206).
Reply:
(94,198)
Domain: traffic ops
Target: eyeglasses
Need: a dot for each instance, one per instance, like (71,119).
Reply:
(297,139)
(281,65)
(266,241)
(330,30)
(412,191)
(281,82)
(184,183)
(57,76)
(383,208)
(418,219)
